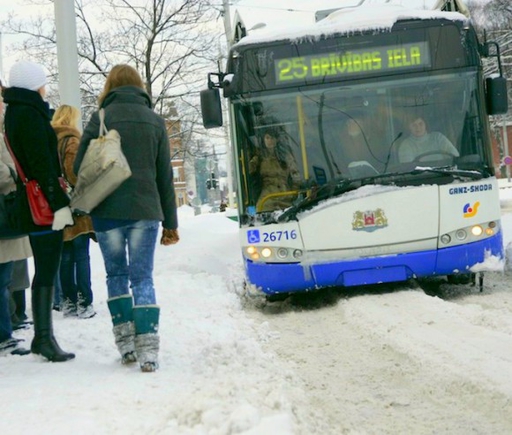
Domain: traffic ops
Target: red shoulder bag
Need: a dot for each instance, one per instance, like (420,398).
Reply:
(41,212)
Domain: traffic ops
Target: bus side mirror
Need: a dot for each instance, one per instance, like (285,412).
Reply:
(211,108)
(496,95)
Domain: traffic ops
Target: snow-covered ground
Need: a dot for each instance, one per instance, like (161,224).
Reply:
(387,360)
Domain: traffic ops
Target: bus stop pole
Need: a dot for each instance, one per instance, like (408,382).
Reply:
(67,55)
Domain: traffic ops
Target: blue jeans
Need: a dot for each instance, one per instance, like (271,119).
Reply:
(5,312)
(128,253)
(75,271)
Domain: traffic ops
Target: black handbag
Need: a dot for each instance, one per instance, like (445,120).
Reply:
(8,205)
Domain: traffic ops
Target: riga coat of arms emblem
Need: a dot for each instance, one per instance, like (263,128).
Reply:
(369,220)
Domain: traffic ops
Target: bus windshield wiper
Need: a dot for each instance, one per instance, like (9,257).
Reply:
(328,190)
(341,185)
(449,170)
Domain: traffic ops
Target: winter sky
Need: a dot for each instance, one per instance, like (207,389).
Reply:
(252,12)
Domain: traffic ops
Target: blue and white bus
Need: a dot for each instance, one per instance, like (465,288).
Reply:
(373,203)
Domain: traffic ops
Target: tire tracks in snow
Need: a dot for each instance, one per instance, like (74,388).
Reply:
(400,362)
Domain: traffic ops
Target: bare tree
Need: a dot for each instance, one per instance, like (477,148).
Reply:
(499,14)
(494,23)
(171,43)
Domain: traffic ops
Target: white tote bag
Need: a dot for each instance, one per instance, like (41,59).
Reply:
(103,170)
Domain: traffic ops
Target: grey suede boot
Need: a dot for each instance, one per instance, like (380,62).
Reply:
(147,341)
(121,310)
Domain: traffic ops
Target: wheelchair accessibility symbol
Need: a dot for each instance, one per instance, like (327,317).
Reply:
(253,236)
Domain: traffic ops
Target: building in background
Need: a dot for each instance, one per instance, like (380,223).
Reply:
(499,145)
(201,177)
(177,157)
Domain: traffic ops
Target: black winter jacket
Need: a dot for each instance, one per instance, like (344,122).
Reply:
(149,193)
(34,143)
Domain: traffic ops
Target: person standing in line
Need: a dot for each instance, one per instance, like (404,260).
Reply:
(127,222)
(34,144)
(11,250)
(75,265)
(20,281)
(57,294)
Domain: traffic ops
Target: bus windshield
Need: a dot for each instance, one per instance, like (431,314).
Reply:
(290,142)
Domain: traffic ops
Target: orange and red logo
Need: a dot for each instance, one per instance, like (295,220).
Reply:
(470,210)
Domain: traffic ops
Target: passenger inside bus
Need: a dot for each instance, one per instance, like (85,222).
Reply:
(355,147)
(422,146)
(276,168)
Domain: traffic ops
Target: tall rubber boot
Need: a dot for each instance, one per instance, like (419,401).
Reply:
(121,310)
(147,341)
(44,342)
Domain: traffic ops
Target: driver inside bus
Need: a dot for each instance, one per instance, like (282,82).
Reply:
(422,146)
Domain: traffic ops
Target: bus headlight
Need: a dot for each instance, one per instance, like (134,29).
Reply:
(477,230)
(461,234)
(489,231)
(252,253)
(469,234)
(445,238)
(271,254)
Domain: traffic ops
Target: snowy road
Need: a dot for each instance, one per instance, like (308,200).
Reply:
(399,362)
(381,360)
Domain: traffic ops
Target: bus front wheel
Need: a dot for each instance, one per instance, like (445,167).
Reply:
(462,279)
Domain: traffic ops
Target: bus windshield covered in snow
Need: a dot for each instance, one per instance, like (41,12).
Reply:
(363,153)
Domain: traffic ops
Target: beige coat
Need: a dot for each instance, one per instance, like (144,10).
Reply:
(68,141)
(15,249)
(275,180)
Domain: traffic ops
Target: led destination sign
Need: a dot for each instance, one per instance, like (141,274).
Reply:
(350,62)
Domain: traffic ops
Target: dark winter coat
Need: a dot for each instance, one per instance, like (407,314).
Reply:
(149,193)
(34,143)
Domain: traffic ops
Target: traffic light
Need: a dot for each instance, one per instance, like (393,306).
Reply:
(212,183)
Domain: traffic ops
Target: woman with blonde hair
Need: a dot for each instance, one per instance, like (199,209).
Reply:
(127,221)
(75,268)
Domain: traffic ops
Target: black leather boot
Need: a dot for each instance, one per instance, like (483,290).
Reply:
(44,342)
(19,300)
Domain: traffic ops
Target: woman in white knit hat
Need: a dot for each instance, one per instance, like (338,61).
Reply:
(34,144)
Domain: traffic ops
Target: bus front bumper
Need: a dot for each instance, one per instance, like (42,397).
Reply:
(296,277)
